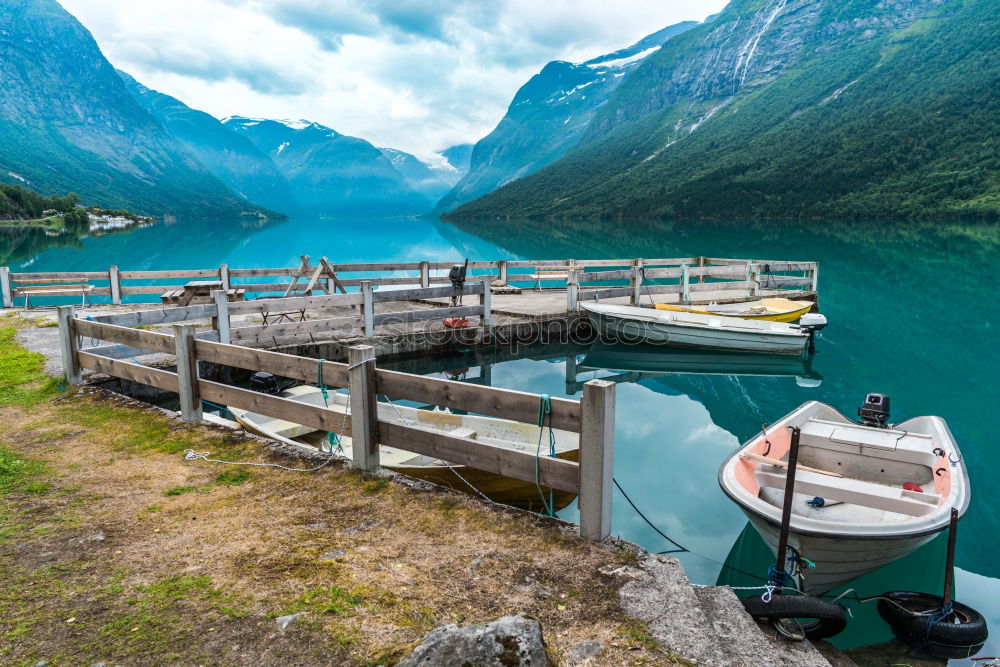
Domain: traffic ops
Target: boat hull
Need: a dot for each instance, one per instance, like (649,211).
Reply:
(837,561)
(784,316)
(628,330)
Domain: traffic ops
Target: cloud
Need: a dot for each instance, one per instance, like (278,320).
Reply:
(418,75)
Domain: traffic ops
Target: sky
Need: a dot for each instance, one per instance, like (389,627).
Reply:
(417,75)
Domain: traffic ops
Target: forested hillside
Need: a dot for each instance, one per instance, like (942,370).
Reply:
(858,109)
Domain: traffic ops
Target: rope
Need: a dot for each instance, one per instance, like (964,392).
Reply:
(191,455)
(650,523)
(332,438)
(544,409)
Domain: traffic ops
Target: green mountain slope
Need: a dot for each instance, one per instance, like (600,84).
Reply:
(231,158)
(793,109)
(67,123)
(548,115)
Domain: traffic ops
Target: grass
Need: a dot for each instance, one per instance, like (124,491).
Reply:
(23,380)
(233,477)
(322,601)
(374,486)
(20,474)
(180,490)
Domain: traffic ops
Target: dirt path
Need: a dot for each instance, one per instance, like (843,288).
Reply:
(117,549)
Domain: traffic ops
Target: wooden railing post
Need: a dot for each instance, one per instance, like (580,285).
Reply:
(224,275)
(502,271)
(597,456)
(755,279)
(67,345)
(364,408)
(221,320)
(6,287)
(425,274)
(701,265)
(636,282)
(367,309)
(114,279)
(484,300)
(685,285)
(815,277)
(572,290)
(187,373)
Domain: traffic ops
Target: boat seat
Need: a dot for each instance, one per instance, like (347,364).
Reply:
(854,491)
(287,429)
(463,432)
(857,439)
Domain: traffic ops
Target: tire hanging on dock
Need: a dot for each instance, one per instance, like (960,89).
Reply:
(920,620)
(819,619)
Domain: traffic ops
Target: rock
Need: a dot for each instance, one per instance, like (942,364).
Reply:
(615,571)
(506,642)
(97,537)
(316,526)
(581,653)
(102,663)
(41,663)
(362,527)
(333,555)
(285,621)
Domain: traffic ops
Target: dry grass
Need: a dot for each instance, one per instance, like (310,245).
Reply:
(119,550)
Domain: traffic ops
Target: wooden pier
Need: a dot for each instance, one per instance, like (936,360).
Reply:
(367,321)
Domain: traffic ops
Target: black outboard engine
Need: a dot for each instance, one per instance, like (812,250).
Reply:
(265,383)
(457,277)
(875,411)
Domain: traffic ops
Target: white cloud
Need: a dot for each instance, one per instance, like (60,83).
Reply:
(418,75)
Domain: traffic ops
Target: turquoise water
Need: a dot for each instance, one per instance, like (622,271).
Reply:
(912,309)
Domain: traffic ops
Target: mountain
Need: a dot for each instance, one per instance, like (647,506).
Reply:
(233,159)
(548,115)
(331,173)
(428,182)
(68,124)
(459,157)
(792,109)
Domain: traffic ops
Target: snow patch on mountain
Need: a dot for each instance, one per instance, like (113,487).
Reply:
(621,62)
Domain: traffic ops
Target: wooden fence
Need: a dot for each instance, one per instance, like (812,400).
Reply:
(691,275)
(592,417)
(364,316)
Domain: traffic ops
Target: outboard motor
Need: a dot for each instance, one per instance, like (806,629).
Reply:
(457,277)
(265,383)
(809,324)
(875,411)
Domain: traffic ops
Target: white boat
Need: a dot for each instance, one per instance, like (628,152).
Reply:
(630,324)
(885,491)
(500,432)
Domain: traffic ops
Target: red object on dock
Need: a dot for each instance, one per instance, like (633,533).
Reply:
(456,322)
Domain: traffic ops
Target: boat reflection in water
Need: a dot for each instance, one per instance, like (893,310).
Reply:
(643,361)
(922,570)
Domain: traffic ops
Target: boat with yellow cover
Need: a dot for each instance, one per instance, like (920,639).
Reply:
(773,309)
(498,432)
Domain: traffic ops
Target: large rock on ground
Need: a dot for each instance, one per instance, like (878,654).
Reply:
(511,641)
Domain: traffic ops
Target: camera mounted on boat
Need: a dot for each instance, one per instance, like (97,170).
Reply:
(875,411)
(457,277)
(265,383)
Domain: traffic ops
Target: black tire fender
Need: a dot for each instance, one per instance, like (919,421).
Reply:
(961,636)
(830,618)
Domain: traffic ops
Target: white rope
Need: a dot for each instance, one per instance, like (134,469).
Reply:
(191,455)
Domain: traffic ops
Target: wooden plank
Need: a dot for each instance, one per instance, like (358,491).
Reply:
(367,310)
(602,276)
(91,291)
(345,324)
(553,472)
(159,316)
(722,286)
(277,273)
(75,276)
(314,416)
(670,261)
(150,289)
(383,319)
(183,274)
(768,281)
(420,293)
(364,407)
(390,266)
(148,340)
(285,365)
(261,306)
(221,320)
(491,401)
(152,377)
(609,293)
(337,285)
(597,458)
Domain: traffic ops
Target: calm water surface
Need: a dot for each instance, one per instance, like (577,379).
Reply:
(913,314)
